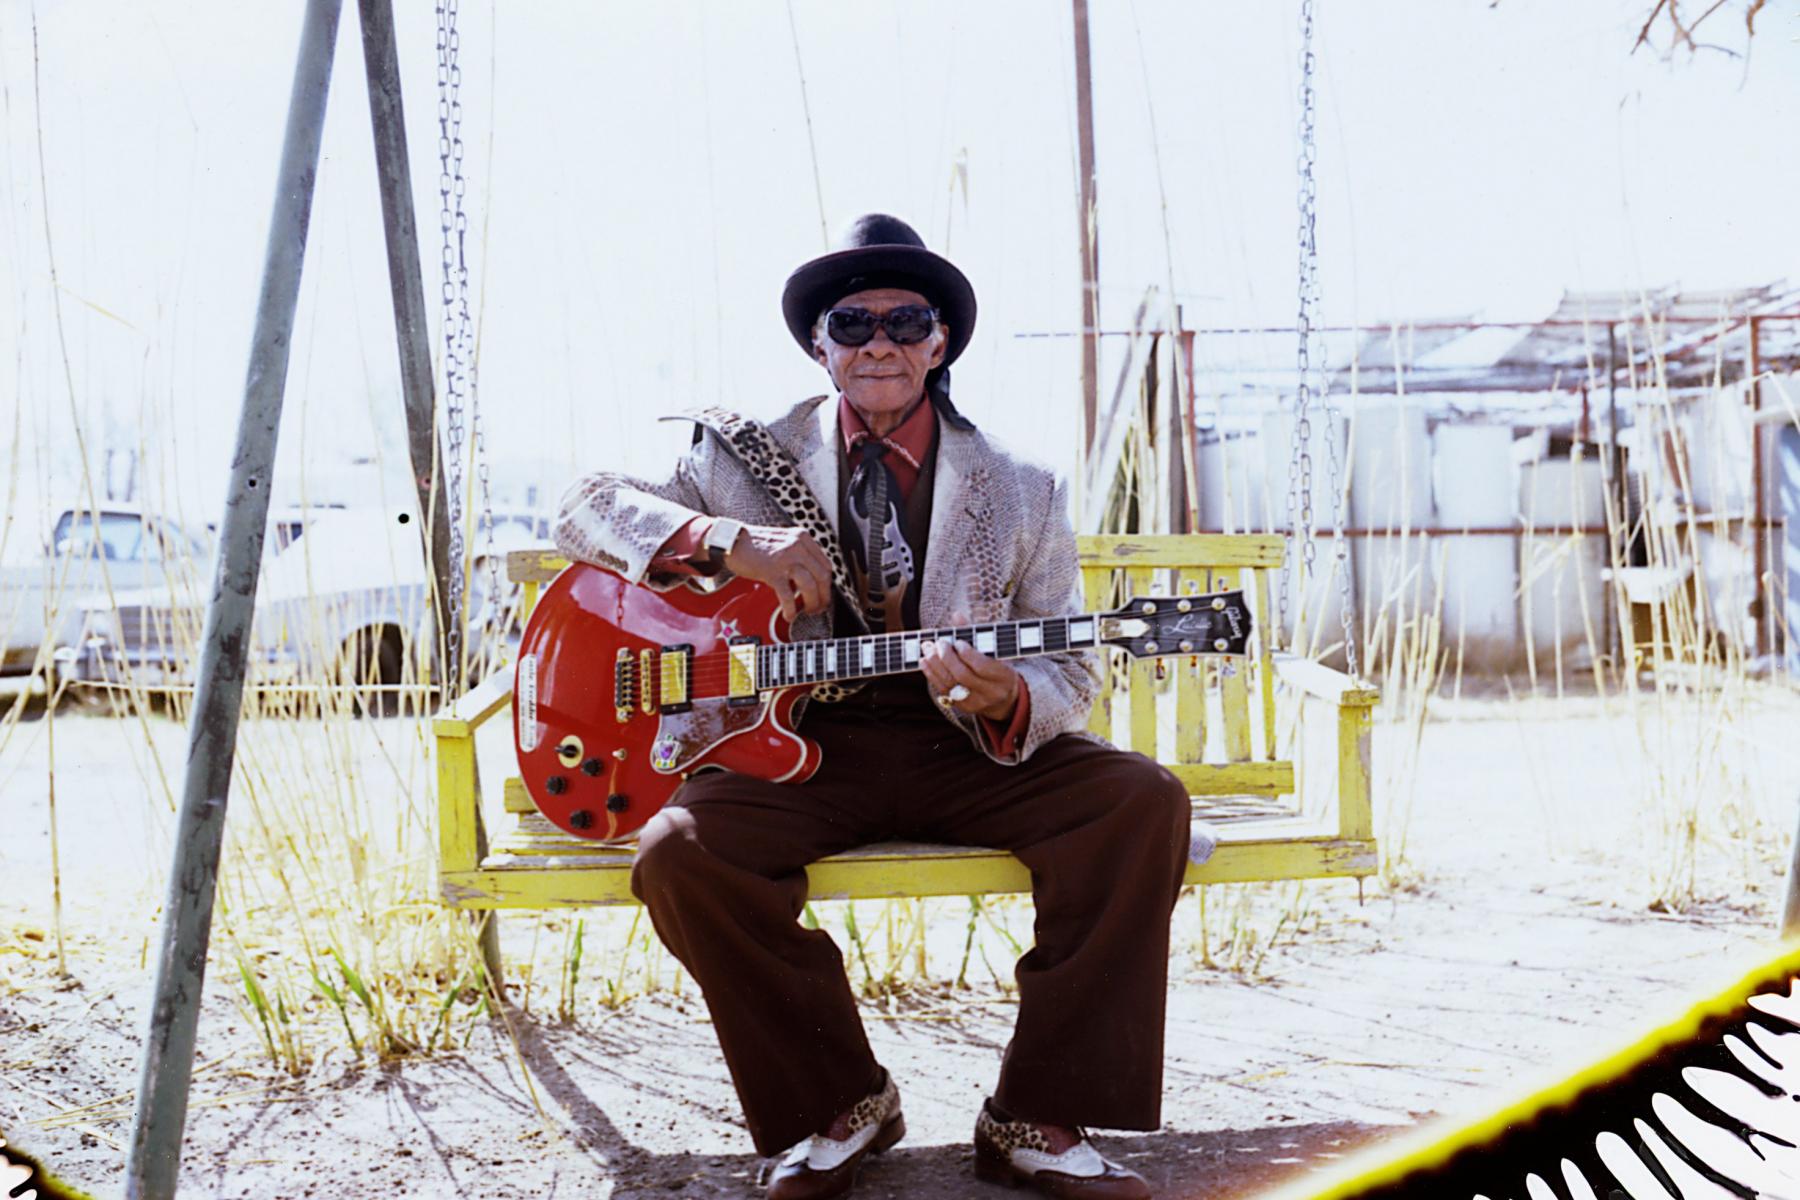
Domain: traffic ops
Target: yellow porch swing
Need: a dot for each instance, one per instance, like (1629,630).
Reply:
(1274,749)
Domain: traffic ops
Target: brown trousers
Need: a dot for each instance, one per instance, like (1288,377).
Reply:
(1104,832)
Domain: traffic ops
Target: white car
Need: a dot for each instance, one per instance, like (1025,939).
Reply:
(344,597)
(119,548)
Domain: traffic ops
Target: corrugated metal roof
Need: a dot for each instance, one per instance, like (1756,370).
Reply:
(1694,338)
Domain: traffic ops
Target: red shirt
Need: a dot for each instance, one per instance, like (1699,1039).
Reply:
(910,442)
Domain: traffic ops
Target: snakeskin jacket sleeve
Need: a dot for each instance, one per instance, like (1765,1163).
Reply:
(1047,584)
(620,521)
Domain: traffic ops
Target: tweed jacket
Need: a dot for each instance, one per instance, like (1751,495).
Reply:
(1001,546)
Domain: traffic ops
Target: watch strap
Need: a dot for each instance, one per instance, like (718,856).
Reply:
(721,536)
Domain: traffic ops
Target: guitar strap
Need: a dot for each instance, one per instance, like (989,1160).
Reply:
(773,467)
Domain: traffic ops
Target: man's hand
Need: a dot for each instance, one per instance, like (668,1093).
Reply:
(993,686)
(789,560)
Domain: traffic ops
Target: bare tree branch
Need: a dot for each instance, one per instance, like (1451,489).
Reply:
(1644,33)
(1681,32)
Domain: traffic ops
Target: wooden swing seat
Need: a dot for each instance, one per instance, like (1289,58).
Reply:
(1217,724)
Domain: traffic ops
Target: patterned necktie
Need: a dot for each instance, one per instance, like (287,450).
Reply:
(881,556)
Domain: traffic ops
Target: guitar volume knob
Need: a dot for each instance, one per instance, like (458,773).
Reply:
(591,767)
(556,785)
(581,818)
(616,803)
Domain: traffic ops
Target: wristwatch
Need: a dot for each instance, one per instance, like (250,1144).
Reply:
(720,539)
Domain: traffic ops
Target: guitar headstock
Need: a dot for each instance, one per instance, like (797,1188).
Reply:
(1153,626)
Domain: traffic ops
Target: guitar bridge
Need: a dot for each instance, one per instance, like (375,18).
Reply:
(623,686)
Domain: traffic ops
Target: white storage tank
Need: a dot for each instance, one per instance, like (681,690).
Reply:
(1235,490)
(1323,606)
(1473,484)
(1563,587)
(1391,503)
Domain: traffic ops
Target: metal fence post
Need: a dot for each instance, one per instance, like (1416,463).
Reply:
(161,1111)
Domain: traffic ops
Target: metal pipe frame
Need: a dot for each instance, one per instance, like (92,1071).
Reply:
(160,1113)
(387,116)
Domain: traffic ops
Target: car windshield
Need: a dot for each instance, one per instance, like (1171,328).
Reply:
(123,537)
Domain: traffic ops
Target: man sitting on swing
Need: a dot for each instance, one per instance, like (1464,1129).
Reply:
(941,526)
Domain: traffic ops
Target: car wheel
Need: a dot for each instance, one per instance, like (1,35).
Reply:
(369,661)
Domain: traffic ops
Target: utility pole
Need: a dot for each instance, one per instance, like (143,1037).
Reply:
(168,1063)
(1089,233)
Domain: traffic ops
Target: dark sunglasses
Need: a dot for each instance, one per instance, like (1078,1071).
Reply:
(907,325)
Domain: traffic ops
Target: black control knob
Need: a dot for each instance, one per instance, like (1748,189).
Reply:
(616,803)
(591,767)
(556,785)
(581,818)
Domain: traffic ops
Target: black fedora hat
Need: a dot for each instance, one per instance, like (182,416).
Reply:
(880,251)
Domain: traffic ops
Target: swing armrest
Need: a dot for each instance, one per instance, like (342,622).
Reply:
(461,717)
(1325,683)
(1348,782)
(461,840)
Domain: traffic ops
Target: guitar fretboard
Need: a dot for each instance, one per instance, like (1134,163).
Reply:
(833,660)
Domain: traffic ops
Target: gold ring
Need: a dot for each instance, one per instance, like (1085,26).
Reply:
(944,702)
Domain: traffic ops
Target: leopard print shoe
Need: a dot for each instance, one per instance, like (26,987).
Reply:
(1017,1154)
(821,1168)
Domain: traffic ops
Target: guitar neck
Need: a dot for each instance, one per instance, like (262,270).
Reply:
(837,660)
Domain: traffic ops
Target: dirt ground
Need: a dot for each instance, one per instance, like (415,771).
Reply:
(1522,938)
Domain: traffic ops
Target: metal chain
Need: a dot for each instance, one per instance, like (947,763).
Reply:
(456,333)
(1313,377)
(494,615)
(1299,496)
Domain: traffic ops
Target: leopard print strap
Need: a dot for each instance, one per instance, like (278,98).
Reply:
(772,467)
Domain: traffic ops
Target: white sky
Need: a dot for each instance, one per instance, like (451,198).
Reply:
(640,184)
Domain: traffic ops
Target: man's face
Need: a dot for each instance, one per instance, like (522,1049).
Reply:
(880,379)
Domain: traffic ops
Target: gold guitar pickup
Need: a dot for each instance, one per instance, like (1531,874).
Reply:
(740,685)
(674,670)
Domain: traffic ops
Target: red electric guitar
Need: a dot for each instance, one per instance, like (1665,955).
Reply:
(622,692)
